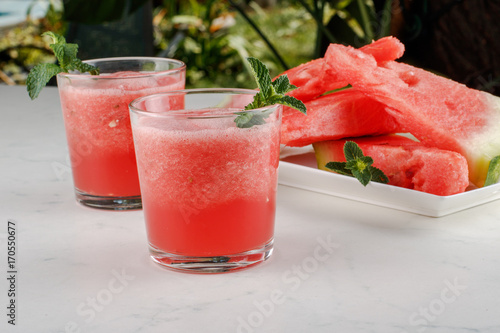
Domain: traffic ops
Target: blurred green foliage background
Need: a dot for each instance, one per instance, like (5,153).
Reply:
(212,37)
(455,38)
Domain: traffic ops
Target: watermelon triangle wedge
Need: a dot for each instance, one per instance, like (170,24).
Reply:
(346,113)
(405,162)
(313,78)
(437,111)
(336,115)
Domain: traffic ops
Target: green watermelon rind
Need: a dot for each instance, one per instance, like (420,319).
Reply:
(484,146)
(493,175)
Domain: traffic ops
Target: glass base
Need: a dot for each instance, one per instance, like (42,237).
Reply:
(208,265)
(112,203)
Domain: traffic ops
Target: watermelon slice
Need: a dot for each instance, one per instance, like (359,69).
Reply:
(439,112)
(405,162)
(313,79)
(385,49)
(308,78)
(342,114)
(345,113)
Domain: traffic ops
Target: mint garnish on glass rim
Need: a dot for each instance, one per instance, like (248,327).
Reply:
(358,165)
(270,93)
(65,53)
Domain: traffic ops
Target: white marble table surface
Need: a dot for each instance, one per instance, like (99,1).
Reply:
(338,265)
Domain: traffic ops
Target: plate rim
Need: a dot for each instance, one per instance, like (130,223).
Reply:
(320,181)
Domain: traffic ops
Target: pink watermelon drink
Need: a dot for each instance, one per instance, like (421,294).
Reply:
(98,130)
(208,186)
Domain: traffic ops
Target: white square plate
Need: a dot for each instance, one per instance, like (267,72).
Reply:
(298,169)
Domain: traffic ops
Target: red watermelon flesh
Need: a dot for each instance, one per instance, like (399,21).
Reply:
(312,78)
(405,162)
(308,78)
(346,113)
(385,49)
(439,112)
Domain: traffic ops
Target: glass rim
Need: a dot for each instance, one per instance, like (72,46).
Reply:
(181,67)
(191,112)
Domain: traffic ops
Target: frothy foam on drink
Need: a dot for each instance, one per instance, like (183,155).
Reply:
(207,165)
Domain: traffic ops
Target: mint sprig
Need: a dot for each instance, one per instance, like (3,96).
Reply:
(358,165)
(270,93)
(66,54)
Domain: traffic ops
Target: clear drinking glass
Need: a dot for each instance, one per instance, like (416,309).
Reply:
(208,186)
(96,117)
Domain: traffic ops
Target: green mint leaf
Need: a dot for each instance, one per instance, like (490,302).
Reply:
(358,165)
(38,78)
(66,54)
(282,85)
(352,151)
(262,76)
(57,39)
(258,102)
(378,175)
(493,175)
(249,119)
(364,176)
(339,167)
(270,93)
(82,67)
(289,101)
(243,119)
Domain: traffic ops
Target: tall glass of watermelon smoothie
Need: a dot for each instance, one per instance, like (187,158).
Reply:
(98,131)
(208,186)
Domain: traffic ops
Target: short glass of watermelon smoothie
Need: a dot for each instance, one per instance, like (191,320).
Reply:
(97,122)
(208,186)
